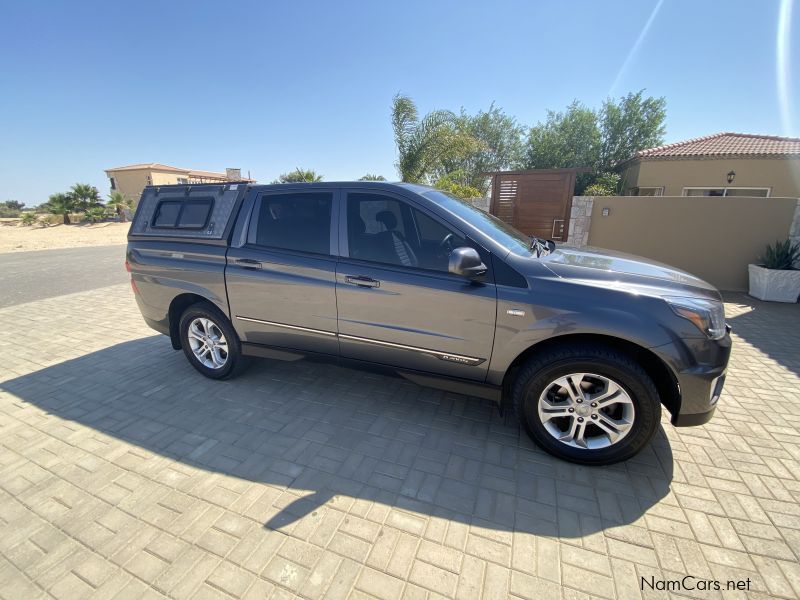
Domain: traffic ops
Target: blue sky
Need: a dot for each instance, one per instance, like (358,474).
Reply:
(269,86)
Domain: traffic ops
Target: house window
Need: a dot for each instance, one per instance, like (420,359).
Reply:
(726,191)
(113,183)
(647,191)
(757,192)
(182,180)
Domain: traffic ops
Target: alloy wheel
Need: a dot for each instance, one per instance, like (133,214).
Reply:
(208,343)
(588,411)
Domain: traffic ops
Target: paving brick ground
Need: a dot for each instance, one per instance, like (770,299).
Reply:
(125,474)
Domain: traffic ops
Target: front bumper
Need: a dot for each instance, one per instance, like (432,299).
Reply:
(699,366)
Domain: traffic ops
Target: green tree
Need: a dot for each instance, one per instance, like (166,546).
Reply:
(604,184)
(371,177)
(423,145)
(118,202)
(85,196)
(61,204)
(566,139)
(498,146)
(299,176)
(454,186)
(14,204)
(628,125)
(582,137)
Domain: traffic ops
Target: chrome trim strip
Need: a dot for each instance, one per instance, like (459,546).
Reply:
(449,356)
(284,325)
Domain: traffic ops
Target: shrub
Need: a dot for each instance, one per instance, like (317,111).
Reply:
(450,183)
(605,184)
(11,208)
(96,214)
(29,218)
(781,255)
(52,219)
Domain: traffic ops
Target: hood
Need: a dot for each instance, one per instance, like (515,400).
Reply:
(617,269)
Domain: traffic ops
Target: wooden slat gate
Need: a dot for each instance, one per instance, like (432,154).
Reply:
(537,202)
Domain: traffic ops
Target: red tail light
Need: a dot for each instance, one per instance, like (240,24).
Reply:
(127,266)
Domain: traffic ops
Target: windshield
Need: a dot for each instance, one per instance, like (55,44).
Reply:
(501,232)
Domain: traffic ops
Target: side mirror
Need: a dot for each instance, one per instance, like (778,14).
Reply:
(466,262)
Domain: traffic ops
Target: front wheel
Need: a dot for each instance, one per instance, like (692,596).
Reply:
(209,342)
(587,404)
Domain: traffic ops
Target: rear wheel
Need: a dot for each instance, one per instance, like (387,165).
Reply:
(209,341)
(587,404)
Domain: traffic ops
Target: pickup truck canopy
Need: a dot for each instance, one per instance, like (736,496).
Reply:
(187,211)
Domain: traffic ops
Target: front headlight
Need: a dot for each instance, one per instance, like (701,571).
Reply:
(707,315)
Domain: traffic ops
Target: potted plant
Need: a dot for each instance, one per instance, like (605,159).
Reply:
(775,278)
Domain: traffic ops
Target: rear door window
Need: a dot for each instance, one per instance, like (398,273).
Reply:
(300,222)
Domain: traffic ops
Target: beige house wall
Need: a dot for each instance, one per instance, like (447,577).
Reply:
(130,183)
(167,177)
(714,238)
(781,175)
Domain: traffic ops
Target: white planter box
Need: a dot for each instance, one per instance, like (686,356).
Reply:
(774,285)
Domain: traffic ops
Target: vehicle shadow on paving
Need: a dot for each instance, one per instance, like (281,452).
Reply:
(338,432)
(768,326)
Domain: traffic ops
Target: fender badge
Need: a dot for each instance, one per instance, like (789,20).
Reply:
(515,312)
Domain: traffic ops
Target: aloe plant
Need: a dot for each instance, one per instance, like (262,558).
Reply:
(781,255)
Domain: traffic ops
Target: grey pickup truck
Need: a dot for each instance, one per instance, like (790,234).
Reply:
(586,346)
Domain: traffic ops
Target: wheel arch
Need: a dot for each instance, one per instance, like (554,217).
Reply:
(659,372)
(176,308)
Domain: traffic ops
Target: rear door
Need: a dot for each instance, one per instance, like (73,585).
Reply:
(398,304)
(281,281)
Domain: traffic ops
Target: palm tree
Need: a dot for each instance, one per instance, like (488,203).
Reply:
(119,202)
(371,177)
(299,176)
(422,145)
(61,204)
(85,196)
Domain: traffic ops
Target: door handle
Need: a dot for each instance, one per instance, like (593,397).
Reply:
(248,263)
(362,281)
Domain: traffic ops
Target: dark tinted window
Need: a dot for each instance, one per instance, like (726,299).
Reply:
(180,214)
(300,222)
(167,214)
(501,232)
(385,230)
(195,213)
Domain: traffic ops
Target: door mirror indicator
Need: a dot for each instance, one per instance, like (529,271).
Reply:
(466,262)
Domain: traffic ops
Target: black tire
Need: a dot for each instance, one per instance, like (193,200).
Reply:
(235,362)
(541,371)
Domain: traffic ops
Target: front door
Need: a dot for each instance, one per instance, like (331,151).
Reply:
(281,283)
(398,304)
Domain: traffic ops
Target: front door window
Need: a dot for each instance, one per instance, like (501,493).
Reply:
(385,230)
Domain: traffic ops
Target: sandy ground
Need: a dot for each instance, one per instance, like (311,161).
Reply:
(14,238)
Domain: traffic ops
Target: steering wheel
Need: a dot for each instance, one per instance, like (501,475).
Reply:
(446,245)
